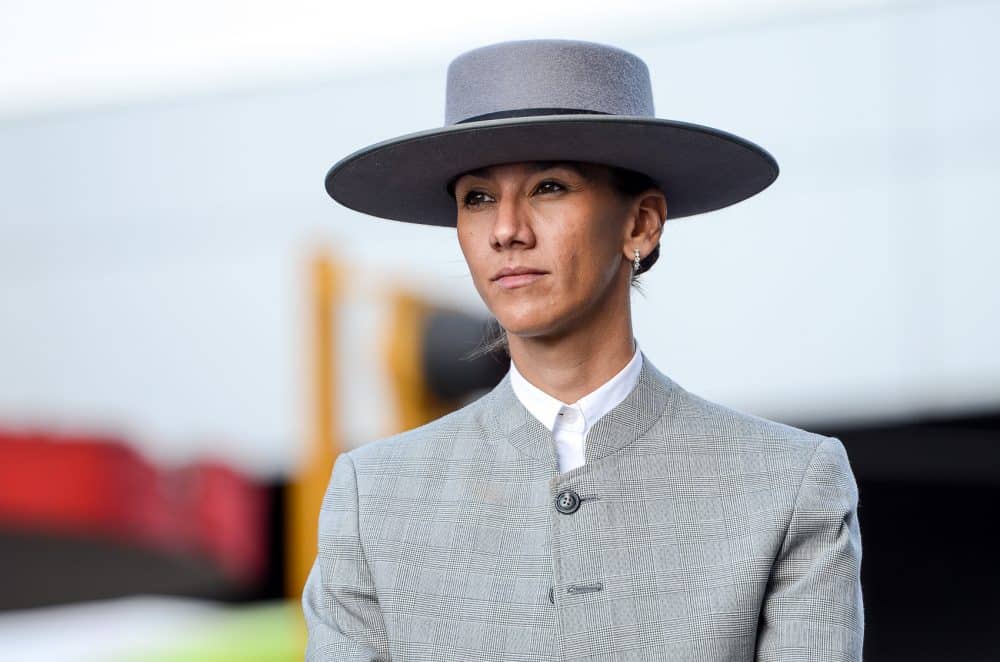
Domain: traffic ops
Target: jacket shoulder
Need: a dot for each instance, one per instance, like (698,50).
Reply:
(765,453)
(700,418)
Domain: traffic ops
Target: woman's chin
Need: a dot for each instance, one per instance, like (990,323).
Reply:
(529,326)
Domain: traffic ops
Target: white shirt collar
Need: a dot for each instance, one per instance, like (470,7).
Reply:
(592,406)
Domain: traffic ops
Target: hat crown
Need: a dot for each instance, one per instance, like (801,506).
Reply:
(546,77)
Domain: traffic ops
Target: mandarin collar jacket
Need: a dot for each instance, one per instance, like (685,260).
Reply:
(693,532)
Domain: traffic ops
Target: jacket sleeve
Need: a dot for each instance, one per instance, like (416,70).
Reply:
(813,609)
(343,620)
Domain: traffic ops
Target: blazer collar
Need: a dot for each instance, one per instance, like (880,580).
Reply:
(593,406)
(626,422)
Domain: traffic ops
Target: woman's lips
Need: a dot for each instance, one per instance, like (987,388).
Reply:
(517,280)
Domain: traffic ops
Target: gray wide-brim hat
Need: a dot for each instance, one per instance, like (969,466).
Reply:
(549,100)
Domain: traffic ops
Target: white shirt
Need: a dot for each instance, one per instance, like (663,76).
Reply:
(570,423)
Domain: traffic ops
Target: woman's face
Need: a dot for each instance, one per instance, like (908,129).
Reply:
(560,222)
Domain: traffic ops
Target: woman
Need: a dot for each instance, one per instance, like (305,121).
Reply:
(639,522)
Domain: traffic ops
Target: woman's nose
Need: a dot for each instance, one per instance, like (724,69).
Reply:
(511,223)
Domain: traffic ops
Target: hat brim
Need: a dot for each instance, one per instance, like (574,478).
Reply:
(699,168)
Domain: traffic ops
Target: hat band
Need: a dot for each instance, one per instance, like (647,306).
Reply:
(530,112)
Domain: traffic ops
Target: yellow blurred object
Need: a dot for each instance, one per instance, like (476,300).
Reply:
(306,490)
(415,403)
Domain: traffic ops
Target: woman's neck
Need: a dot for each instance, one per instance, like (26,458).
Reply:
(573,365)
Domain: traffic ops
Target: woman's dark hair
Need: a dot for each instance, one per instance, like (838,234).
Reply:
(627,183)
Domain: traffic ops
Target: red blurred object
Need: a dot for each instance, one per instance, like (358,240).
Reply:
(101,487)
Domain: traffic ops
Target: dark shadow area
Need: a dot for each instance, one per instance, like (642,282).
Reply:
(43,568)
(929,571)
(48,569)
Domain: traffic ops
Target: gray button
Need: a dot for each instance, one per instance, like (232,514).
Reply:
(567,502)
(552,597)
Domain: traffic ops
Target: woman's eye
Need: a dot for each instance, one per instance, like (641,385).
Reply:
(549,187)
(474,198)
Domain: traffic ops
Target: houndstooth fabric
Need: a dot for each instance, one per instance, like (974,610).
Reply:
(702,533)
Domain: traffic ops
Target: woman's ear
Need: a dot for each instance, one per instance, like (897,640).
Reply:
(649,214)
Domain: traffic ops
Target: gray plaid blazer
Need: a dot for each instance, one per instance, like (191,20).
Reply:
(693,532)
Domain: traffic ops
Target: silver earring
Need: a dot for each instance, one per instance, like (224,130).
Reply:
(635,262)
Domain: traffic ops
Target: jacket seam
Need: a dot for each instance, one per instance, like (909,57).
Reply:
(798,495)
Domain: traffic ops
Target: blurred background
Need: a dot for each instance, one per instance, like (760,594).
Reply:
(190,329)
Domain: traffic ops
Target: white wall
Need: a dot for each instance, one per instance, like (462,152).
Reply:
(152,256)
